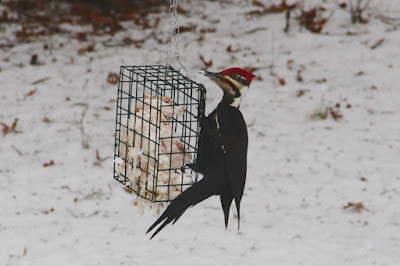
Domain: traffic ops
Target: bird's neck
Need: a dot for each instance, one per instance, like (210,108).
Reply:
(227,99)
(234,100)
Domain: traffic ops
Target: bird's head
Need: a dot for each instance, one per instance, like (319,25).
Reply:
(234,82)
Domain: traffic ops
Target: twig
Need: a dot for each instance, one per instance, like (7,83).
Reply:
(18,151)
(356,11)
(40,80)
(288,12)
(255,30)
(389,20)
(84,140)
(252,123)
(377,44)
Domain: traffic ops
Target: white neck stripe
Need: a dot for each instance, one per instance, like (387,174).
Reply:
(238,100)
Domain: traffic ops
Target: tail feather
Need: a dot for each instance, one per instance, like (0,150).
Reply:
(237,203)
(190,197)
(226,201)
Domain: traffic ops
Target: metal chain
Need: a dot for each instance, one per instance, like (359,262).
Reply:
(173,33)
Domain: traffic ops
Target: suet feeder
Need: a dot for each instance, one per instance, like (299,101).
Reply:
(157,129)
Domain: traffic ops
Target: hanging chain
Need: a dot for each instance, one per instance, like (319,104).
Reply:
(173,33)
(171,28)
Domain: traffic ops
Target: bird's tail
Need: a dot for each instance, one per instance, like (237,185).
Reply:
(196,193)
(226,201)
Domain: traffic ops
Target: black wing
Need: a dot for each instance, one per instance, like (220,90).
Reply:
(235,141)
(209,155)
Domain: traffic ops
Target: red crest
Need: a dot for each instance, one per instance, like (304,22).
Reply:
(239,71)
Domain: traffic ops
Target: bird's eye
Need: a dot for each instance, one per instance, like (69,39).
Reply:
(235,76)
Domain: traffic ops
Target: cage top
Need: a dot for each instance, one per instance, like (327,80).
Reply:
(160,72)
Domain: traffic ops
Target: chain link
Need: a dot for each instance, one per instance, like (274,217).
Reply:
(172,24)
(173,34)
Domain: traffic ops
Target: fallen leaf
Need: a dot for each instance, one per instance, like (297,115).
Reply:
(30,93)
(127,190)
(207,64)
(335,114)
(5,129)
(89,48)
(300,93)
(113,78)
(48,164)
(289,64)
(358,207)
(46,120)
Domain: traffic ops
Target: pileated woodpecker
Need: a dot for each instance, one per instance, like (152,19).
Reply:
(222,151)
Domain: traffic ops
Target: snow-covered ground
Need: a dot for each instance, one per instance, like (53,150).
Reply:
(302,169)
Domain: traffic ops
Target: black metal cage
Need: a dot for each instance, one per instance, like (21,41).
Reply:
(157,128)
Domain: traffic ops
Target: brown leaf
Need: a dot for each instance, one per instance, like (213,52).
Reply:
(81,36)
(46,120)
(257,3)
(279,8)
(48,164)
(300,93)
(289,64)
(30,93)
(358,207)
(188,28)
(113,78)
(87,49)
(182,11)
(335,114)
(207,64)
(206,30)
(282,81)
(312,20)
(127,190)
(5,129)
(12,128)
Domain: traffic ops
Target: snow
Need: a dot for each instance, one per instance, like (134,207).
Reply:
(301,171)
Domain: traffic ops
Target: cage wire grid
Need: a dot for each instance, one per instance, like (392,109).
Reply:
(157,129)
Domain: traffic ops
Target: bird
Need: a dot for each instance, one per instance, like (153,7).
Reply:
(221,154)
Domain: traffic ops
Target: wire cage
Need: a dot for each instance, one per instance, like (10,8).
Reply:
(157,130)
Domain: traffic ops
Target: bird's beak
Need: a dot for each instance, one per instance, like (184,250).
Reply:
(211,75)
